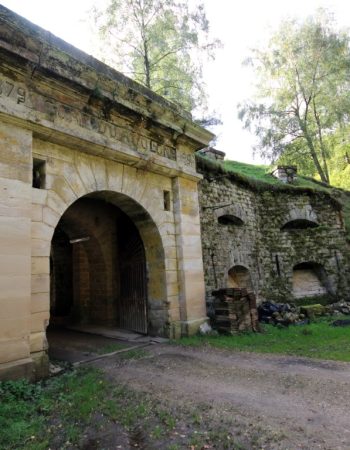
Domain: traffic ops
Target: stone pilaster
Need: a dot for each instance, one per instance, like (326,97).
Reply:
(15,251)
(189,255)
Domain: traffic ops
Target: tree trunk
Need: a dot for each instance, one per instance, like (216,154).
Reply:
(322,146)
(313,153)
(146,61)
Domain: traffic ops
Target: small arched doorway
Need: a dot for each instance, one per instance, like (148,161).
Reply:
(103,270)
(309,280)
(239,277)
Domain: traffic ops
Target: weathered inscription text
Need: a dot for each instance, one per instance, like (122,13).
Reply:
(58,112)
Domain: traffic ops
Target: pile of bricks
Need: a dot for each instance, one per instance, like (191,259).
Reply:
(235,311)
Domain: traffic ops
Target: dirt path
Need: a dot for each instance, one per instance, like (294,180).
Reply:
(274,402)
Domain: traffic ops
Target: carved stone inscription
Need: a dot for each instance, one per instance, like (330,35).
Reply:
(56,111)
(11,90)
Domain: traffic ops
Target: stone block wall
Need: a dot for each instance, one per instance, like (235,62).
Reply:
(15,251)
(60,142)
(266,233)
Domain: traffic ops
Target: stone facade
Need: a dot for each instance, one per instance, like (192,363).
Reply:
(281,242)
(83,147)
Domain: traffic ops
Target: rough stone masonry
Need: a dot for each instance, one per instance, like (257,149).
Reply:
(284,243)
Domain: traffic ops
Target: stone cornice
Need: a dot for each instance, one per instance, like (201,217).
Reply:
(44,53)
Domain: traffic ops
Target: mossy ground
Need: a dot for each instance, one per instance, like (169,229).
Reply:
(317,340)
(82,409)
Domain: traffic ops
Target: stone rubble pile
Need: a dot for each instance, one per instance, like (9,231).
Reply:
(338,308)
(280,313)
(288,313)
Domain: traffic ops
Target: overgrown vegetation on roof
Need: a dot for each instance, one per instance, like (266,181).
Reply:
(259,178)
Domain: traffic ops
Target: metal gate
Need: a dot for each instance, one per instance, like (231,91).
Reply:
(133,290)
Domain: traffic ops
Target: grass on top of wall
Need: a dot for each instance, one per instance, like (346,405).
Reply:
(259,178)
(318,340)
(263,173)
(259,172)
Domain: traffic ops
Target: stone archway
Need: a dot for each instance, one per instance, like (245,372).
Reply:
(117,261)
(108,265)
(169,232)
(309,280)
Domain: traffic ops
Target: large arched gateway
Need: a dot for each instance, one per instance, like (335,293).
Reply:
(107,266)
(99,216)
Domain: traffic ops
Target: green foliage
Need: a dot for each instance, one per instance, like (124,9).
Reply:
(27,409)
(159,43)
(339,158)
(19,390)
(302,93)
(319,341)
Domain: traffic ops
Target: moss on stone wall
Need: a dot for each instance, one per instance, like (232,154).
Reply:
(214,170)
(261,244)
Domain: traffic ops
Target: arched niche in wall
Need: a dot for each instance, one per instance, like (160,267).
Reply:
(299,224)
(239,277)
(230,215)
(309,280)
(230,219)
(300,218)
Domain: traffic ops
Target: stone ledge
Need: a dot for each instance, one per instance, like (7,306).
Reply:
(191,327)
(22,368)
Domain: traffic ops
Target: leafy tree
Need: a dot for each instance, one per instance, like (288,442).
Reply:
(339,161)
(159,43)
(302,92)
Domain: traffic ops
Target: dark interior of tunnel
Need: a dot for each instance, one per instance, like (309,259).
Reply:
(98,268)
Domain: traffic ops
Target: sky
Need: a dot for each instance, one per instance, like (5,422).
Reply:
(239,24)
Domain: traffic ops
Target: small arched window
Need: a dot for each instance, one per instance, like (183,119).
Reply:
(229,219)
(239,277)
(299,224)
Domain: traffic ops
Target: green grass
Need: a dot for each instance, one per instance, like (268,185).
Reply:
(262,172)
(28,413)
(60,410)
(136,353)
(317,340)
(81,409)
(110,348)
(258,172)
(65,411)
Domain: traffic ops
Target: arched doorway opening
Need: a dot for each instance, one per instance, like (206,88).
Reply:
(107,267)
(309,280)
(239,277)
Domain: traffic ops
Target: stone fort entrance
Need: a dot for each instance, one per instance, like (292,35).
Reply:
(99,215)
(98,268)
